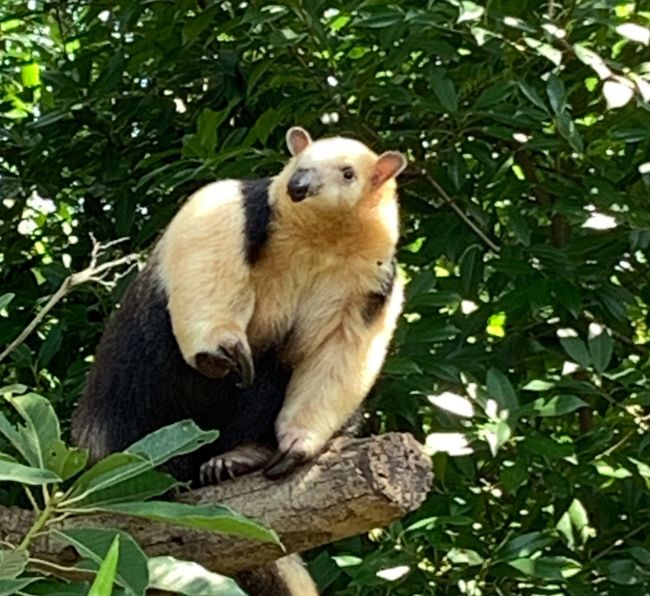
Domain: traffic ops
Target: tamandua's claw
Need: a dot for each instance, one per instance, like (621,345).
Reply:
(244,365)
(283,463)
(217,364)
(241,460)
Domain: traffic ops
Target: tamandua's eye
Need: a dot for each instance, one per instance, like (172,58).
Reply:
(348,173)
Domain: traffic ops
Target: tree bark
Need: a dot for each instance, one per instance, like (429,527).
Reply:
(357,485)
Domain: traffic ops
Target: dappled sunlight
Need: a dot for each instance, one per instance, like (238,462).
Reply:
(454,403)
(600,221)
(454,444)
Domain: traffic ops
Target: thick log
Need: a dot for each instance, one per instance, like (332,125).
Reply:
(357,485)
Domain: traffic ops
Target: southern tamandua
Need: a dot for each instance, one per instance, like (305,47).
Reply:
(265,311)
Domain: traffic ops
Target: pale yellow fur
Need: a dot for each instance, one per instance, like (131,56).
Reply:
(204,271)
(296,578)
(307,292)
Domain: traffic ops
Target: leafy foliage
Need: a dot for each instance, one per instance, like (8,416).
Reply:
(113,484)
(522,358)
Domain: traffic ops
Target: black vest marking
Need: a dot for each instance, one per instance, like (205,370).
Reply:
(258,215)
(375,301)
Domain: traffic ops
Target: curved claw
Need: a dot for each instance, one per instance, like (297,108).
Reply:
(244,364)
(283,463)
(241,460)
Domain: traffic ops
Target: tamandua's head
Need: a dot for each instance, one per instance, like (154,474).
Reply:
(337,172)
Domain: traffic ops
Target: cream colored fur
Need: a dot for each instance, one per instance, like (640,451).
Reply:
(324,256)
(204,271)
(297,579)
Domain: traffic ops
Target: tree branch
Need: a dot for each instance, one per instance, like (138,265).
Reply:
(357,485)
(443,193)
(93,272)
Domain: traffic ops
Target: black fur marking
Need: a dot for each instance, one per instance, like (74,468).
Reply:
(140,382)
(375,301)
(258,216)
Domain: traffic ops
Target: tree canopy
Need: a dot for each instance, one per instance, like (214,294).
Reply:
(522,358)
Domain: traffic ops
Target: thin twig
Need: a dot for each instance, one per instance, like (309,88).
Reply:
(443,193)
(54,566)
(620,542)
(625,438)
(93,273)
(31,498)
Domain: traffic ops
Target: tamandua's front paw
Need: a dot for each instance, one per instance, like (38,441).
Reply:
(295,447)
(229,355)
(236,462)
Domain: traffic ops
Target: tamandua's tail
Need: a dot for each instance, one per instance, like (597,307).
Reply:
(285,577)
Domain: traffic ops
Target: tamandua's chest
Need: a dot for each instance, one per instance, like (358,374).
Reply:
(300,297)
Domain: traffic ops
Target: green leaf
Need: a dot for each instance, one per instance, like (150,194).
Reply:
(111,474)
(493,95)
(538,385)
(106,473)
(206,130)
(215,518)
(5,300)
(501,390)
(49,587)
(50,346)
(12,563)
(643,469)
(624,572)
(105,578)
(532,95)
(186,577)
(31,75)
(601,347)
(40,430)
(444,89)
(195,26)
(65,461)
(567,128)
(11,389)
(94,544)
(170,441)
(558,405)
(496,435)
(464,556)
(573,525)
(469,11)
(574,347)
(524,546)
(11,587)
(12,471)
(568,296)
(471,270)
(545,49)
(556,94)
(151,483)
(548,568)
(546,447)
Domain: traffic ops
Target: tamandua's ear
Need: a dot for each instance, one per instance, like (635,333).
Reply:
(297,139)
(389,165)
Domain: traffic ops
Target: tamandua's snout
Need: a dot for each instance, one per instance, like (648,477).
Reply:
(303,183)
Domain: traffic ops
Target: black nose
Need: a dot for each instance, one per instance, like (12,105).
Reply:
(301,184)
(297,191)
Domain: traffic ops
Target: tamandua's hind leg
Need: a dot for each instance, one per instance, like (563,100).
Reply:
(203,267)
(236,462)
